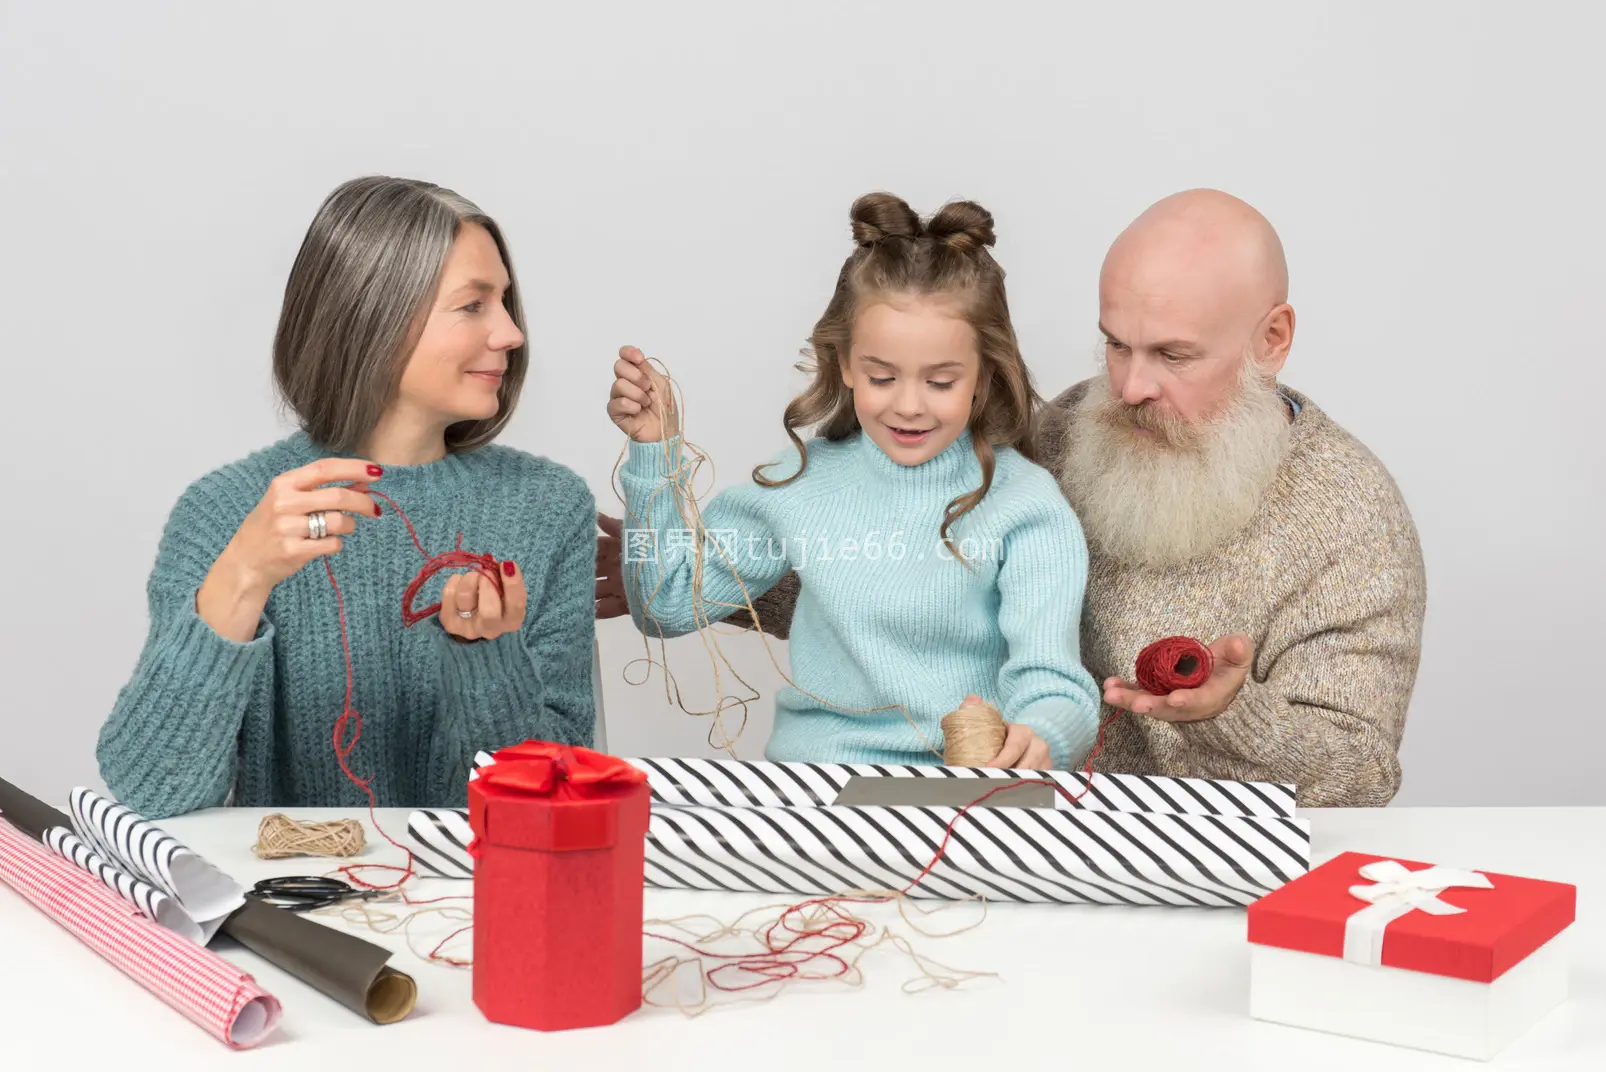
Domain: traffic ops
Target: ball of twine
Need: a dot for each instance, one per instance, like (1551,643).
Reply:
(280,836)
(1172,663)
(972,735)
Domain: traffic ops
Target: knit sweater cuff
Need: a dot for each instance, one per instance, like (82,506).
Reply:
(199,661)
(653,460)
(180,714)
(1257,727)
(1065,728)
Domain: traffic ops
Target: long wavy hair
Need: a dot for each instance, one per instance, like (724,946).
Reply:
(946,257)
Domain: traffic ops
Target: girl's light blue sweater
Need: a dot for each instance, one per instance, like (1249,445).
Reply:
(886,614)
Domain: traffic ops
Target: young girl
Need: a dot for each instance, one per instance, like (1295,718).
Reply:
(401,349)
(938,562)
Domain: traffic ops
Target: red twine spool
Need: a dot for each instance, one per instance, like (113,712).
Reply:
(1177,662)
(1169,664)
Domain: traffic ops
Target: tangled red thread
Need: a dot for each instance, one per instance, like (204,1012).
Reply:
(351,722)
(793,941)
(801,941)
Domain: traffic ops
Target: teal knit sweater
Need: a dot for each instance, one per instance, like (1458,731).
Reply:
(203,715)
(886,614)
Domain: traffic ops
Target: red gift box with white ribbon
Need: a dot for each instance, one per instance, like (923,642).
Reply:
(1414,954)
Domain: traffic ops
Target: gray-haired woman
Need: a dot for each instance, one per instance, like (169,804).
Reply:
(401,349)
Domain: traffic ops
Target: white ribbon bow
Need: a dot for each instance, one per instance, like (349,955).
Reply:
(1398,890)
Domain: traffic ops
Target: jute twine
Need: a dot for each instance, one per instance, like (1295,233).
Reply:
(972,735)
(280,836)
(681,467)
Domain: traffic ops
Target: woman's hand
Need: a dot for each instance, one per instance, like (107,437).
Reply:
(471,609)
(1023,750)
(296,521)
(641,403)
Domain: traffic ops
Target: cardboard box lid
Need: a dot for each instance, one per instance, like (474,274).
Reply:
(1501,926)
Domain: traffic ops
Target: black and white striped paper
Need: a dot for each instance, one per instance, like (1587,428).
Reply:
(773,827)
(152,902)
(722,783)
(439,841)
(146,852)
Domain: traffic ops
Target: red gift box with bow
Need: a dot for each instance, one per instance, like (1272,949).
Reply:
(1414,954)
(559,847)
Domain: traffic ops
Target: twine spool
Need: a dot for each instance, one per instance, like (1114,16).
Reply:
(280,836)
(972,735)
(1172,663)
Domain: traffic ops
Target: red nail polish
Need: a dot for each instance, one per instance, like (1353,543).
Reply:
(374,470)
(507,568)
(376,509)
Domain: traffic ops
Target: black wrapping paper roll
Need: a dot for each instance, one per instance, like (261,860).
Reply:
(349,969)
(28,813)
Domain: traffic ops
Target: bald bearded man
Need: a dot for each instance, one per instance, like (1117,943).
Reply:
(1220,505)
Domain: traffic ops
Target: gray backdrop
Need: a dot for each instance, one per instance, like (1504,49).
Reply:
(678,176)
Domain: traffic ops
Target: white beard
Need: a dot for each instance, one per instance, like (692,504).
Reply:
(1181,491)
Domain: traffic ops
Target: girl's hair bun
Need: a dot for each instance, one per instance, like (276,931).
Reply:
(963,226)
(879,216)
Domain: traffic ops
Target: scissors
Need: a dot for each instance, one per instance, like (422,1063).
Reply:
(308,893)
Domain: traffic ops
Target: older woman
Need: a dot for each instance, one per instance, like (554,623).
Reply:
(401,349)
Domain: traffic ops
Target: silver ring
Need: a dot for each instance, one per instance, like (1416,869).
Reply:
(465,614)
(317,525)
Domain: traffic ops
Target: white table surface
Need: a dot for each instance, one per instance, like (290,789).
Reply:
(1078,987)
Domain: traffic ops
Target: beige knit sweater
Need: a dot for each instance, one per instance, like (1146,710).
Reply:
(1327,579)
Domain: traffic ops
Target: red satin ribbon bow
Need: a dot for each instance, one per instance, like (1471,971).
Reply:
(538,768)
(542,769)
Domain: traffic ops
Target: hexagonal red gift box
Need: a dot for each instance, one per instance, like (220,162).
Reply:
(559,847)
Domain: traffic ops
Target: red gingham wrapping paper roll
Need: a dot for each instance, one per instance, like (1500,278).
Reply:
(214,994)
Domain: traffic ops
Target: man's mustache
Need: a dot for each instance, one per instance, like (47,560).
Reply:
(1167,428)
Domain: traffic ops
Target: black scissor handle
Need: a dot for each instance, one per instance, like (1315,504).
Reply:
(303,886)
(301,893)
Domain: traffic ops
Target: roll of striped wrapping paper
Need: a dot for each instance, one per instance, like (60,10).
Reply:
(146,852)
(213,994)
(152,902)
(774,827)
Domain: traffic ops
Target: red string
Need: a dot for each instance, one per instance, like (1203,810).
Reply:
(1168,664)
(786,961)
(350,720)
(1162,667)
(1176,662)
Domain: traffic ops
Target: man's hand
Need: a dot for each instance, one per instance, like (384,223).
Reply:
(611,601)
(1233,656)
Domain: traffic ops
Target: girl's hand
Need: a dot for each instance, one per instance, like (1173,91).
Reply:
(296,521)
(641,403)
(472,610)
(1023,750)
